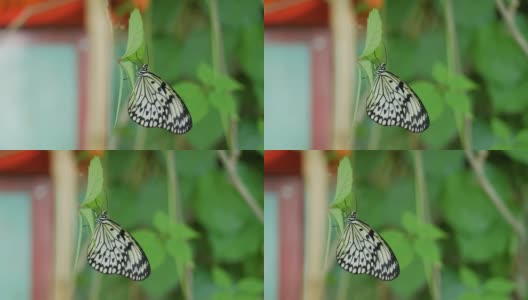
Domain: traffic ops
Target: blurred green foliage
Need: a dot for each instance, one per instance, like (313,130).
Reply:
(456,229)
(181,49)
(212,232)
(491,87)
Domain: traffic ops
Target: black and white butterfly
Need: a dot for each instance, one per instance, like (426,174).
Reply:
(363,251)
(113,250)
(392,102)
(154,103)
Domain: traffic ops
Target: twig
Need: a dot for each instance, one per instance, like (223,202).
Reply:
(477,163)
(230,163)
(508,14)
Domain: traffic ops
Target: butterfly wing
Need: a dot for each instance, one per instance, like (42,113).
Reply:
(154,103)
(392,102)
(363,251)
(113,250)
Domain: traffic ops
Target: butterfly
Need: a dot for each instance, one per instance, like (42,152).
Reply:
(113,250)
(154,103)
(392,102)
(363,251)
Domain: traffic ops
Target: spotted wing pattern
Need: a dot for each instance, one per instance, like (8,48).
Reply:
(392,102)
(154,103)
(113,250)
(363,251)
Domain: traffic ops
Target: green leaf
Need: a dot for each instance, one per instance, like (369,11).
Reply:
(411,223)
(176,231)
(469,278)
(374,32)
(337,215)
(207,133)
(499,285)
(95,181)
(182,254)
(206,74)
(344,180)
(470,295)
(432,232)
(423,230)
(130,72)
(519,154)
(183,232)
(495,297)
(367,66)
(453,82)
(508,98)
(428,250)
(440,73)
(151,244)
(400,245)
(486,246)
(430,97)
(224,102)
(221,278)
(223,295)
(235,247)
(161,222)
(195,99)
(227,84)
(462,83)
(88,215)
(521,139)
(500,129)
(251,285)
(135,34)
(160,283)
(458,101)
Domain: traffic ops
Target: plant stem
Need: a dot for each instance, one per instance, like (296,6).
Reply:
(174,208)
(230,164)
(422,209)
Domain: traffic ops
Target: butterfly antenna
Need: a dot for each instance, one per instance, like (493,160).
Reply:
(349,210)
(147,50)
(96,203)
(377,59)
(385,52)
(106,198)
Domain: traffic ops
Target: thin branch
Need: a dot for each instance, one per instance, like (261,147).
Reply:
(478,167)
(508,14)
(230,163)
(496,199)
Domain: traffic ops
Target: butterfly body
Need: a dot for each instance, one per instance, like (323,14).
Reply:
(154,103)
(392,102)
(113,250)
(363,251)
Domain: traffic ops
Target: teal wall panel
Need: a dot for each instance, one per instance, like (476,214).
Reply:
(287,96)
(271,246)
(39,84)
(16,250)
